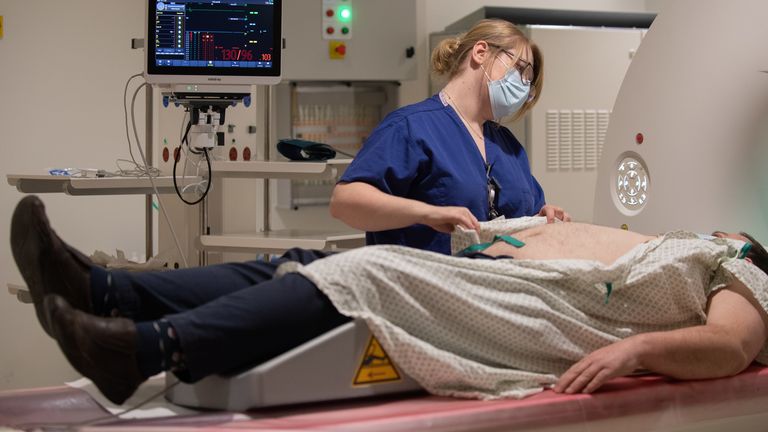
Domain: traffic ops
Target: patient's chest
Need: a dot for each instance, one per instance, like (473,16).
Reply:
(571,241)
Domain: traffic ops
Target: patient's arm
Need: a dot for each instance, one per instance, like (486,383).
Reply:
(735,331)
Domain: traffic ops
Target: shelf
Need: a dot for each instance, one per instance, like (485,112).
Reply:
(94,186)
(281,169)
(141,186)
(282,240)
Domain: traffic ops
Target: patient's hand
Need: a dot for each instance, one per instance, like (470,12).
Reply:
(594,370)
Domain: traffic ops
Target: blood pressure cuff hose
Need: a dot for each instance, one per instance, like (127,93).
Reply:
(301,150)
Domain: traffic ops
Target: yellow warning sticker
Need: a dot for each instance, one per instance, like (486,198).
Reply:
(375,366)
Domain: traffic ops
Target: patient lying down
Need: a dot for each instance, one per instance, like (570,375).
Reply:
(567,306)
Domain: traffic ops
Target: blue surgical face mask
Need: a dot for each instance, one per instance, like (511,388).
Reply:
(507,94)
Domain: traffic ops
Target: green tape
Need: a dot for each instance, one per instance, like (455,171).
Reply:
(509,240)
(608,290)
(483,246)
(745,250)
(477,247)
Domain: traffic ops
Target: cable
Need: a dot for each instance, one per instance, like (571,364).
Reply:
(185,138)
(183,134)
(183,122)
(149,399)
(179,150)
(103,419)
(208,186)
(125,115)
(136,171)
(193,185)
(151,179)
(97,420)
(344,153)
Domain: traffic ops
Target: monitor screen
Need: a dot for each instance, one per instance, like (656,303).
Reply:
(213,41)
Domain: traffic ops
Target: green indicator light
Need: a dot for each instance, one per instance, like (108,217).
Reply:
(345,13)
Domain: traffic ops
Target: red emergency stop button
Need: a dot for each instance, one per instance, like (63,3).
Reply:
(337,50)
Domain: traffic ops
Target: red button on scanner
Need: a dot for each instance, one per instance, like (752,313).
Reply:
(329,13)
(330,30)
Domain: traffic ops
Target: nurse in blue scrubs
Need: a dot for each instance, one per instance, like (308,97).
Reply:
(446,161)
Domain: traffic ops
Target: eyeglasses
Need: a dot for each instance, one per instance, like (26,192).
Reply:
(522,66)
(493,193)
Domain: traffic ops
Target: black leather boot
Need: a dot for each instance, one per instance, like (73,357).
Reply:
(47,264)
(102,349)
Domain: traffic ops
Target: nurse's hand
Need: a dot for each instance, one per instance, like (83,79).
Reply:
(554,212)
(445,219)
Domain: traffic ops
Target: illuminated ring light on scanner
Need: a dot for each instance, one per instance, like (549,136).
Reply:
(631,184)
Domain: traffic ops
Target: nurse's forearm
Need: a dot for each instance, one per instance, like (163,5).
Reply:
(366,208)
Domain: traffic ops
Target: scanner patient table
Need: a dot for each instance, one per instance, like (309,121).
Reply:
(642,403)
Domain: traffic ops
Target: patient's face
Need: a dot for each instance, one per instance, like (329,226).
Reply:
(733,236)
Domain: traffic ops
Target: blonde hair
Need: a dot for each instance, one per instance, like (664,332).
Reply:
(448,57)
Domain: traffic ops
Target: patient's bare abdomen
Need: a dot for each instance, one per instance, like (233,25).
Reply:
(571,241)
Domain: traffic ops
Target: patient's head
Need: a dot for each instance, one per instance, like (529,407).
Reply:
(757,254)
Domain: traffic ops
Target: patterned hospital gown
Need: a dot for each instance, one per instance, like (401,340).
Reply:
(507,328)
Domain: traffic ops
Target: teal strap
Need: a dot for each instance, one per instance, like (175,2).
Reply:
(608,290)
(476,247)
(483,246)
(745,250)
(508,239)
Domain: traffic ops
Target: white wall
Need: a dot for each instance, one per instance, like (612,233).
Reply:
(655,5)
(435,15)
(63,65)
